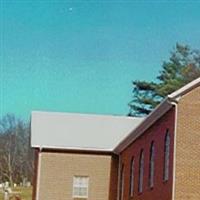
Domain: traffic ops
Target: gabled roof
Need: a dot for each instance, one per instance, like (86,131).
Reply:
(79,131)
(161,109)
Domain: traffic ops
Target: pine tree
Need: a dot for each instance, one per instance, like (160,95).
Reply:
(183,66)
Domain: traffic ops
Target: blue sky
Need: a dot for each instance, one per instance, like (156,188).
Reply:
(81,56)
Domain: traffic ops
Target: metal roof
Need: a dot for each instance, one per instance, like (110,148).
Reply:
(79,131)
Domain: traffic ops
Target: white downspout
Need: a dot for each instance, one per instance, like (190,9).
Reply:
(174,157)
(38,174)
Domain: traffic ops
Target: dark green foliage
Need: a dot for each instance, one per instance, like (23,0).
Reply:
(183,66)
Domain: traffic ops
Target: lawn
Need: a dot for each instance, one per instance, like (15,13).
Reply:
(25,193)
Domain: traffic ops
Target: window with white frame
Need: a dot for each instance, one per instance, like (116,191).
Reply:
(80,186)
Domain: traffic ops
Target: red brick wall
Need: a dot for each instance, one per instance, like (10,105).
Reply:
(161,190)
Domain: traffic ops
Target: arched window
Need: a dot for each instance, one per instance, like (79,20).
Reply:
(166,156)
(131,187)
(121,192)
(141,171)
(151,165)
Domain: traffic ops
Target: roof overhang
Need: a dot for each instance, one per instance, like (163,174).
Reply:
(184,90)
(144,125)
(42,147)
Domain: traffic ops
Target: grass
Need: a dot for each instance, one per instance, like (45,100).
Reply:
(24,193)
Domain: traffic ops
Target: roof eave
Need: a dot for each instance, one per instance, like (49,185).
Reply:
(144,125)
(83,149)
(185,89)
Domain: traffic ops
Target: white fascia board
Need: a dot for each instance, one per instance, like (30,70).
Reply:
(184,89)
(72,148)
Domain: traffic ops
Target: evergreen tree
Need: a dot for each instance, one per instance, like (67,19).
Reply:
(183,66)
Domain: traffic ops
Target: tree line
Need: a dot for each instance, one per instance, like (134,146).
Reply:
(16,156)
